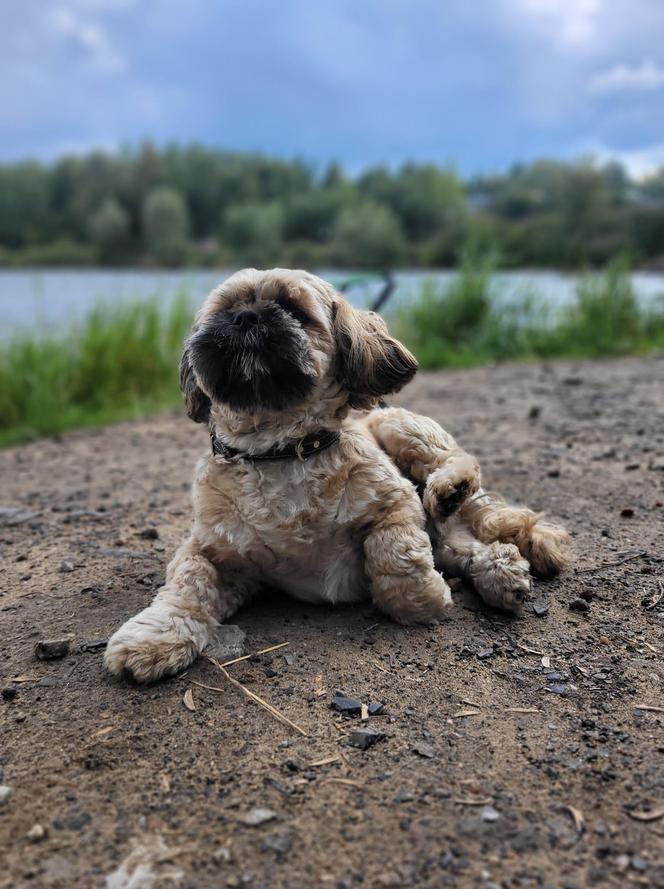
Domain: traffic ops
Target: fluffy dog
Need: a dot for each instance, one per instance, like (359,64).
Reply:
(313,489)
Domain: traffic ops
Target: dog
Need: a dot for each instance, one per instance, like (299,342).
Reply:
(312,488)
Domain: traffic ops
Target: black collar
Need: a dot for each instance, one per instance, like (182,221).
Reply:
(301,449)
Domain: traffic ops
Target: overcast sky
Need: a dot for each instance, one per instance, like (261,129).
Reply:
(476,83)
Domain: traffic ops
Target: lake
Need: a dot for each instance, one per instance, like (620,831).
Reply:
(51,298)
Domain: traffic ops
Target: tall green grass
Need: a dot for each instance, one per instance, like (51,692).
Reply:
(462,324)
(120,362)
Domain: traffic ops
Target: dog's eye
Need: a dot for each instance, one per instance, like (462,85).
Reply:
(290,306)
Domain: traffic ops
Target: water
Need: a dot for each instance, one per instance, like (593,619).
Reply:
(56,298)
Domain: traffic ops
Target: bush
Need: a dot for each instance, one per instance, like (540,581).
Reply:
(109,230)
(253,232)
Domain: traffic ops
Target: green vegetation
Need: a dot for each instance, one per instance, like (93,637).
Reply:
(198,206)
(462,325)
(122,361)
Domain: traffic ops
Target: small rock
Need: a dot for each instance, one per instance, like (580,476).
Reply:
(9,692)
(558,689)
(534,412)
(425,750)
(485,653)
(604,640)
(149,534)
(223,853)
(365,738)
(490,814)
(579,605)
(280,842)
(639,863)
(256,817)
(627,512)
(51,649)
(553,473)
(540,608)
(5,793)
(347,706)
(36,833)
(404,796)
(66,566)
(375,708)
(227,642)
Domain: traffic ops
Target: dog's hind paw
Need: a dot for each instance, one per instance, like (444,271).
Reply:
(502,578)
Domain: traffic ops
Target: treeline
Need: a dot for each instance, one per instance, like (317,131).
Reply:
(198,206)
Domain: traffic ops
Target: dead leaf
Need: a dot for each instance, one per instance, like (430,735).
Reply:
(103,731)
(319,686)
(577,815)
(165,781)
(188,700)
(655,815)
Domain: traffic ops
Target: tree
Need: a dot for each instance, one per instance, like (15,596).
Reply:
(368,234)
(166,225)
(109,231)
(253,231)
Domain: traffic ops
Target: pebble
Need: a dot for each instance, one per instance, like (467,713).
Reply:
(627,512)
(425,750)
(347,706)
(256,817)
(579,605)
(5,793)
(540,608)
(365,738)
(485,653)
(9,692)
(639,863)
(227,642)
(149,534)
(604,640)
(66,566)
(375,708)
(36,833)
(490,814)
(51,649)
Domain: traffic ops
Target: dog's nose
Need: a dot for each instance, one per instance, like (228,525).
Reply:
(246,318)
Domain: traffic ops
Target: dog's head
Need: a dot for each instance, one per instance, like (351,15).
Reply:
(269,341)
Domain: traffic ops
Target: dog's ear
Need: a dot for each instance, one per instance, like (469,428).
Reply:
(196,401)
(370,362)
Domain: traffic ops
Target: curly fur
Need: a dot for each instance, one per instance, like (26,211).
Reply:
(346,524)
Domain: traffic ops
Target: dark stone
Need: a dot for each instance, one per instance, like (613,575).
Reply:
(627,512)
(579,605)
(541,608)
(425,750)
(485,653)
(149,534)
(51,649)
(280,842)
(375,708)
(365,738)
(9,692)
(347,706)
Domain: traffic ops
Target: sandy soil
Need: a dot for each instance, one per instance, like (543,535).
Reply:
(544,782)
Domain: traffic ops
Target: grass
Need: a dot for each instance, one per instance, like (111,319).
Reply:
(121,361)
(462,324)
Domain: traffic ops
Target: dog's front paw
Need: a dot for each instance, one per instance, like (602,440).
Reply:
(153,644)
(502,577)
(450,485)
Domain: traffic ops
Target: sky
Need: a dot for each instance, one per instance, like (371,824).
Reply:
(477,85)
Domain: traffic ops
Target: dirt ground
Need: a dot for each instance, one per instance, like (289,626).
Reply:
(517,752)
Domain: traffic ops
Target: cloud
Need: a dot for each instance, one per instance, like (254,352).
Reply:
(639,162)
(87,39)
(572,23)
(647,76)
